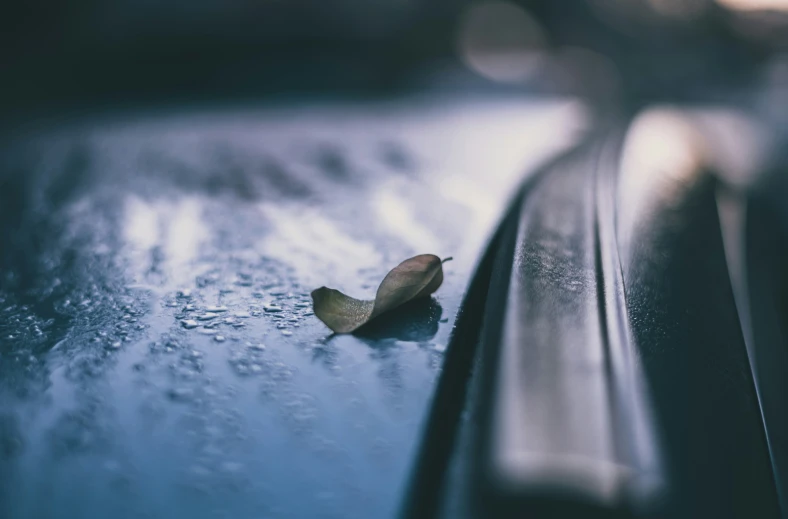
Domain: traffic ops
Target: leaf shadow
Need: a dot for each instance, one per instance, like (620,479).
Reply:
(415,321)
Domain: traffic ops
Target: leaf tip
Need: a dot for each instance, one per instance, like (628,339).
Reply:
(318,291)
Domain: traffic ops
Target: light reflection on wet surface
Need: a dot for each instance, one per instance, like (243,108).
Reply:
(159,353)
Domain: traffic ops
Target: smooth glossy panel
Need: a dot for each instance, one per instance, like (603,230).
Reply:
(570,430)
(159,356)
(766,284)
(620,381)
(685,324)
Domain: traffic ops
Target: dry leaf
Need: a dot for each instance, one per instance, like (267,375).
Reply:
(416,277)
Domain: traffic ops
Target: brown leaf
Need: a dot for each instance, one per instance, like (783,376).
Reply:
(416,277)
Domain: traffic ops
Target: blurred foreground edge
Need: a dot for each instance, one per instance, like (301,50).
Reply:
(603,370)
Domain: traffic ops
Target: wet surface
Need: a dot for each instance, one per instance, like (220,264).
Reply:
(158,352)
(631,365)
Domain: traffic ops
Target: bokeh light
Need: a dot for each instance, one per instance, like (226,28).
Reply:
(500,41)
(755,5)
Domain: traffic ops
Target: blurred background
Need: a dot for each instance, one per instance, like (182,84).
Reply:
(116,50)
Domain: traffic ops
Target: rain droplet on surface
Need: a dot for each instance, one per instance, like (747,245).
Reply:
(189,323)
(180,394)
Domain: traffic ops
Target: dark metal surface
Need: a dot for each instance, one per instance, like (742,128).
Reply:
(686,325)
(570,420)
(158,355)
(764,307)
(617,375)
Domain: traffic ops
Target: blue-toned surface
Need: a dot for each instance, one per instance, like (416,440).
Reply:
(158,354)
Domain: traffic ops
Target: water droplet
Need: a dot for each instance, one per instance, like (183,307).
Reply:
(287,333)
(207,316)
(439,347)
(207,331)
(181,394)
(242,315)
(216,309)
(208,279)
(185,293)
(219,338)
(189,323)
(259,346)
(272,308)
(114,346)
